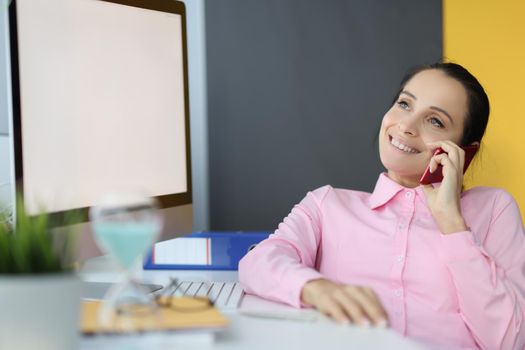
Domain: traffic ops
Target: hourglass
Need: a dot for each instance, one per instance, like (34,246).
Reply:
(125,225)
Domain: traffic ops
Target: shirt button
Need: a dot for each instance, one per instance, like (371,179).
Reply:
(397,313)
(397,293)
(401,226)
(400,258)
(408,194)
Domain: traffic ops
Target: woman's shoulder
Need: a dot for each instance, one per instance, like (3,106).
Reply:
(485,191)
(488,195)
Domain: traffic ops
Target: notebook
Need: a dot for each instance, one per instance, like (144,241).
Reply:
(179,314)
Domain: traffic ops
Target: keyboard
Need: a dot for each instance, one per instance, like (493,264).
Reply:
(224,295)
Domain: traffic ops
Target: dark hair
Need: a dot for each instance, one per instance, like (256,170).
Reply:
(478,107)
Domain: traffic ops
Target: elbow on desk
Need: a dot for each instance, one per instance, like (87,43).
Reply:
(245,272)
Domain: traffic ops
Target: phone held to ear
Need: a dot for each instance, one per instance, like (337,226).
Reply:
(437,175)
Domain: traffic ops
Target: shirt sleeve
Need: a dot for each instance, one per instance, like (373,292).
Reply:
(278,267)
(489,277)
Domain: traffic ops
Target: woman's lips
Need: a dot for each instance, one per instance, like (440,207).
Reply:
(402,146)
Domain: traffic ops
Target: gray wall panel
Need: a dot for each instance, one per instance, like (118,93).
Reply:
(296,92)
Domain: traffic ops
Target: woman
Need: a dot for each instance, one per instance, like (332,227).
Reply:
(432,262)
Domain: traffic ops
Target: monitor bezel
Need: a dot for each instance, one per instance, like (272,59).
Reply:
(165,201)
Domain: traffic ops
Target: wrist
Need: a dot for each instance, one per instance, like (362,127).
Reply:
(309,291)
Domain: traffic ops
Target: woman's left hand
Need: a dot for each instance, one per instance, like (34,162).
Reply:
(443,201)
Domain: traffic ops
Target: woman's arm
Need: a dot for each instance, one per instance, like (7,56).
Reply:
(283,268)
(278,267)
(444,201)
(490,277)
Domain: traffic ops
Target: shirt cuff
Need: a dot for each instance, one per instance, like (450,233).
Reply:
(459,246)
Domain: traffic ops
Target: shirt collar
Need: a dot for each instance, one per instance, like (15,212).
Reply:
(387,188)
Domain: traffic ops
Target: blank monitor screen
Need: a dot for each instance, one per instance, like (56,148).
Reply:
(102,98)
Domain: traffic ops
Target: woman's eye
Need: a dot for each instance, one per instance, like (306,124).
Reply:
(436,122)
(402,104)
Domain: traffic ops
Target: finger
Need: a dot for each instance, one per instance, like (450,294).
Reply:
(444,159)
(455,153)
(351,308)
(370,292)
(329,306)
(372,306)
(436,161)
(334,310)
(449,168)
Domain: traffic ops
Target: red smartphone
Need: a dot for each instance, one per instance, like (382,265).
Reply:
(437,175)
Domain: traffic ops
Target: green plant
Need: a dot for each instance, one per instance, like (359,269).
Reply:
(33,245)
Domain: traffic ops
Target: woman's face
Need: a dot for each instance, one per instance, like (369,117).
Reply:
(431,107)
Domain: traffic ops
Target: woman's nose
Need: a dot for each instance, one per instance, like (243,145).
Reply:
(408,126)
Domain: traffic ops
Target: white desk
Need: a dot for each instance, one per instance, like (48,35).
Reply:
(245,333)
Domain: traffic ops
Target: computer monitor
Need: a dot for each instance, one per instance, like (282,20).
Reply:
(100,102)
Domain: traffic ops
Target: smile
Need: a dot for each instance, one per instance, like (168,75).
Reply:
(402,146)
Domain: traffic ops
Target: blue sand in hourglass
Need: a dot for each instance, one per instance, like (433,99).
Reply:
(126,241)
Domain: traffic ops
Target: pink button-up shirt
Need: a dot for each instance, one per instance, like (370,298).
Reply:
(465,289)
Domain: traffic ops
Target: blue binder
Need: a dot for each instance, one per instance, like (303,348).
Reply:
(227,249)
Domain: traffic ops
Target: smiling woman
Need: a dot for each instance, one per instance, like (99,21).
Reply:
(420,116)
(434,262)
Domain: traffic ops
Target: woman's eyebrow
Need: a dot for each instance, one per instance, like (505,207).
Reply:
(444,112)
(431,107)
(409,94)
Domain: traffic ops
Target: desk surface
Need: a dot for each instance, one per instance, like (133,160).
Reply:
(245,332)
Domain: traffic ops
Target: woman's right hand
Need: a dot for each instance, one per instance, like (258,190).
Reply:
(345,303)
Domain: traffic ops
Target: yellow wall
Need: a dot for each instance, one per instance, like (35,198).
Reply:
(488,38)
